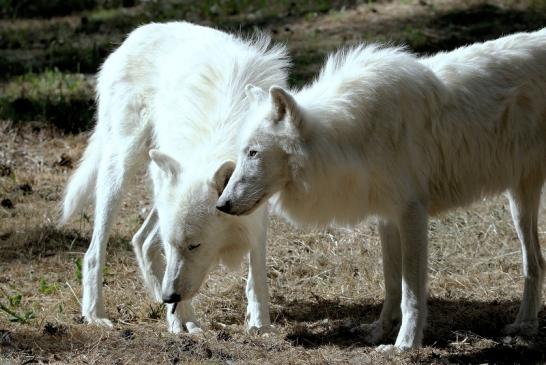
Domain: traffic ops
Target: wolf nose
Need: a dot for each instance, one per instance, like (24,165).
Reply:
(171,298)
(224,207)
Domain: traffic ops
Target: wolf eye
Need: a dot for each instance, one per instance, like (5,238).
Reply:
(193,247)
(252,153)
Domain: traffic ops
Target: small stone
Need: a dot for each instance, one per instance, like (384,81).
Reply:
(223,335)
(53,329)
(7,203)
(5,170)
(128,334)
(26,189)
(5,337)
(65,161)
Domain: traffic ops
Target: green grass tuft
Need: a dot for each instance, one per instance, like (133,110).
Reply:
(66,100)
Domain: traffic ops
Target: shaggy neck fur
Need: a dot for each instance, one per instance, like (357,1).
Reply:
(329,158)
(312,185)
(209,102)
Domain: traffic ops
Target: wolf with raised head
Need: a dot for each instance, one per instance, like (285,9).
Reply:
(172,97)
(382,132)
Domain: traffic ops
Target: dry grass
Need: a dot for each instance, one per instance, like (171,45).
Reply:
(322,283)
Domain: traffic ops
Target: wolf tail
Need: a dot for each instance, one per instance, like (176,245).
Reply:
(81,186)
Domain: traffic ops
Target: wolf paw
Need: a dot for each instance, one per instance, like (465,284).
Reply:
(391,349)
(98,321)
(387,349)
(193,328)
(523,328)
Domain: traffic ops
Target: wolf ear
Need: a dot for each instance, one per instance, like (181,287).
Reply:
(254,93)
(283,104)
(222,175)
(166,163)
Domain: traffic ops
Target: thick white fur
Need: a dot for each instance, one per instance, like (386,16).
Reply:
(384,133)
(177,88)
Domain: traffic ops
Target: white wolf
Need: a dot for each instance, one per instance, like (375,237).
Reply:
(384,133)
(178,89)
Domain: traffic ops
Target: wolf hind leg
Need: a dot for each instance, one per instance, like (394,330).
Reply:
(524,206)
(118,164)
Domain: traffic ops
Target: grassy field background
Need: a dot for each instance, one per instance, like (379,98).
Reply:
(322,283)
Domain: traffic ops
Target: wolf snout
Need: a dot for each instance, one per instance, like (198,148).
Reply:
(224,206)
(171,298)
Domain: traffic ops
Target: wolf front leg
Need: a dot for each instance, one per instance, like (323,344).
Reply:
(257,291)
(392,271)
(183,317)
(412,226)
(147,246)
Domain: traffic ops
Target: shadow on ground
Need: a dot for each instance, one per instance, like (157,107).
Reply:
(46,241)
(65,342)
(29,345)
(458,330)
(478,23)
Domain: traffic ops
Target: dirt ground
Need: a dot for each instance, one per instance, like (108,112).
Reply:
(322,283)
